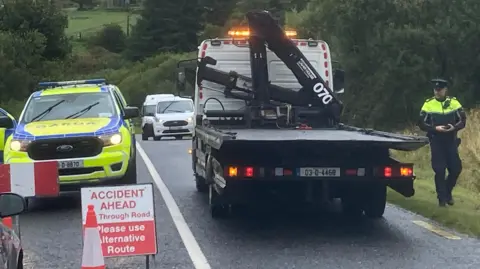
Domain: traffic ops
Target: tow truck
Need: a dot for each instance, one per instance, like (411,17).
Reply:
(273,131)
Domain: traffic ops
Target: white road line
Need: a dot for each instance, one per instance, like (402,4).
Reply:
(196,255)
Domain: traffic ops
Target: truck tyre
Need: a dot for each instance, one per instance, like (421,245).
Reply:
(376,201)
(201,184)
(147,131)
(157,138)
(217,209)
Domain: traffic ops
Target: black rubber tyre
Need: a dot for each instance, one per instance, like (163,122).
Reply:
(201,184)
(376,201)
(217,210)
(157,138)
(179,137)
(130,176)
(147,131)
(144,137)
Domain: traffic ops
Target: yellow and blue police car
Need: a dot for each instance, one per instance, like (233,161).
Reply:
(85,126)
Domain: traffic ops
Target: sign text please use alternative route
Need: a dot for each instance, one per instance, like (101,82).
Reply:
(126,218)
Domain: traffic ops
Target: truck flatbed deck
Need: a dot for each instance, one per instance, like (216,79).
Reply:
(347,135)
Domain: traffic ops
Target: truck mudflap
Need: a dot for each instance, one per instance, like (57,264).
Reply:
(404,187)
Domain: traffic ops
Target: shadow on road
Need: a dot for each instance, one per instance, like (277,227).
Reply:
(66,202)
(302,223)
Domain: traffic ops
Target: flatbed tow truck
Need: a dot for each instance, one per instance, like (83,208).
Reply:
(288,145)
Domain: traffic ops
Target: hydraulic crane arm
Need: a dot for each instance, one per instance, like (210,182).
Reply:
(263,25)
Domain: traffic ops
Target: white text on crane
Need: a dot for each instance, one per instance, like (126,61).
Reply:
(322,93)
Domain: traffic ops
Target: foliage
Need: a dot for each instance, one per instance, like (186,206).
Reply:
(165,26)
(111,37)
(23,16)
(391,49)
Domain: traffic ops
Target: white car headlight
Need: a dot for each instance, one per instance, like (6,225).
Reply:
(19,145)
(111,140)
(190,119)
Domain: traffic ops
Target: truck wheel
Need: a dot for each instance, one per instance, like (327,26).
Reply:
(144,137)
(217,209)
(157,138)
(201,185)
(376,201)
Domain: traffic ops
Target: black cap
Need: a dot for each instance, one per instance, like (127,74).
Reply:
(439,83)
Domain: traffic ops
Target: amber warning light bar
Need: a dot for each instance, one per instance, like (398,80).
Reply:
(246,33)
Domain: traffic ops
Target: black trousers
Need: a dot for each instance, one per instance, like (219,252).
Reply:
(445,157)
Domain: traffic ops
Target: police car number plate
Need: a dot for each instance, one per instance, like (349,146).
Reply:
(319,172)
(70,164)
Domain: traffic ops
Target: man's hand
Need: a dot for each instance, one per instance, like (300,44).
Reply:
(443,128)
(450,128)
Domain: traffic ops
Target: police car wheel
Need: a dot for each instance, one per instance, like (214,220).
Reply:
(130,176)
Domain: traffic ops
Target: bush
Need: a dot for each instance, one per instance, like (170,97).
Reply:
(111,37)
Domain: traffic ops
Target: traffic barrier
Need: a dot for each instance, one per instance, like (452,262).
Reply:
(38,179)
(92,257)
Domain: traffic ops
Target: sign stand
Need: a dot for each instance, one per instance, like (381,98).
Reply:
(126,219)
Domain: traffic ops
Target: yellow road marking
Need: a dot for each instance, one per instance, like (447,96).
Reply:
(436,230)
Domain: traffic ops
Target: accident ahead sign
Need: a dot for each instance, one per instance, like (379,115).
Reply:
(126,218)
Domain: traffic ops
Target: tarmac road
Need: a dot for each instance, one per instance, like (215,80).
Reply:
(51,232)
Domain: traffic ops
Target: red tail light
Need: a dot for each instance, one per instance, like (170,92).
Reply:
(387,172)
(395,171)
(248,171)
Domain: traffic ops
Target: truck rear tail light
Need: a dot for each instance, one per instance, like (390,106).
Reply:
(232,171)
(406,171)
(248,171)
(395,171)
(387,171)
(351,172)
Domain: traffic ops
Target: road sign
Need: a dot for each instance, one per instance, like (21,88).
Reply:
(125,216)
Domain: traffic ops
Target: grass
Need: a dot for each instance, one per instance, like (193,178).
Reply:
(464,216)
(85,22)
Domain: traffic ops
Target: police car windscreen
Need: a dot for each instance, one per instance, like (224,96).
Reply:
(183,106)
(70,106)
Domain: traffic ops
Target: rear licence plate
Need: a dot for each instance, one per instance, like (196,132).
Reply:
(70,164)
(319,172)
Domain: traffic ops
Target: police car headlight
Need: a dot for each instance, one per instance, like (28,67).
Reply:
(190,120)
(111,140)
(19,145)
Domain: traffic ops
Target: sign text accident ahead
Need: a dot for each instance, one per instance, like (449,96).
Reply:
(126,218)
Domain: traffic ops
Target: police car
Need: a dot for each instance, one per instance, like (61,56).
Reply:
(85,126)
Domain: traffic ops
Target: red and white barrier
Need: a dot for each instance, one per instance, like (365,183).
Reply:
(38,179)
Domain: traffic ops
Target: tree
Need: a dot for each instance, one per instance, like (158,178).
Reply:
(43,16)
(165,25)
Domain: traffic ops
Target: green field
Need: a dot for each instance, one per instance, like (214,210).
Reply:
(85,22)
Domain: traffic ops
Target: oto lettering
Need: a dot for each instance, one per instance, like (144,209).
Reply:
(322,93)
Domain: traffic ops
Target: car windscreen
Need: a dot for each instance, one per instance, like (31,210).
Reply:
(182,106)
(69,106)
(149,110)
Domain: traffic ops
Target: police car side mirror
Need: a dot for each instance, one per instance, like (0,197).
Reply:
(339,81)
(6,122)
(11,204)
(130,112)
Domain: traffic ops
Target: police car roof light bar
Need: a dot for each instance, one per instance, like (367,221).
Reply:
(72,82)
